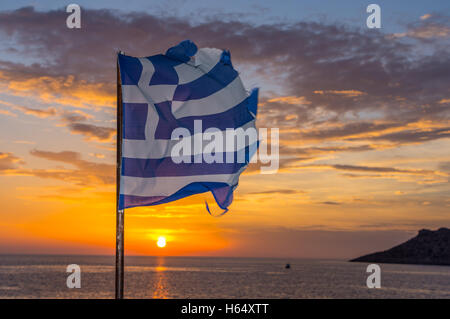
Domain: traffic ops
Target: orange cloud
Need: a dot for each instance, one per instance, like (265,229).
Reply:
(93,132)
(97,155)
(347,93)
(72,119)
(65,90)
(9,161)
(295,100)
(8,113)
(419,176)
(425,32)
(51,111)
(24,142)
(85,173)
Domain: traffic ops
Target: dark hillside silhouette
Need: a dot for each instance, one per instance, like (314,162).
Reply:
(427,248)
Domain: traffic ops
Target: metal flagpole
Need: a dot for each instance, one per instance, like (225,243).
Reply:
(119,213)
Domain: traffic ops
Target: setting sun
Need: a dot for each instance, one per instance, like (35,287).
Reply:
(161,242)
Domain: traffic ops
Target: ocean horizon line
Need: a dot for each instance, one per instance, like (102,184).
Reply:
(179,256)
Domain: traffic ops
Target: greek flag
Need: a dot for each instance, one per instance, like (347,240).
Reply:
(197,90)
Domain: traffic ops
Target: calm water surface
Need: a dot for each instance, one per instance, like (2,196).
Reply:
(194,277)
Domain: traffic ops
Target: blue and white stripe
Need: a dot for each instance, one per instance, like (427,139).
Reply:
(163,92)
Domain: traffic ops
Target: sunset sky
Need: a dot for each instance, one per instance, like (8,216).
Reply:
(364,119)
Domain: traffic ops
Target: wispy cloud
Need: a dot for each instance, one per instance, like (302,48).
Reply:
(42,113)
(430,26)
(278,191)
(73,120)
(347,93)
(9,161)
(7,113)
(84,173)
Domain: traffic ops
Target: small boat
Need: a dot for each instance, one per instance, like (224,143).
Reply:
(288,266)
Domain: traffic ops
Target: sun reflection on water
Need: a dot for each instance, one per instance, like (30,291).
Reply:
(160,284)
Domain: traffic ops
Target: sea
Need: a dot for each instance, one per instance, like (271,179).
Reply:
(38,276)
